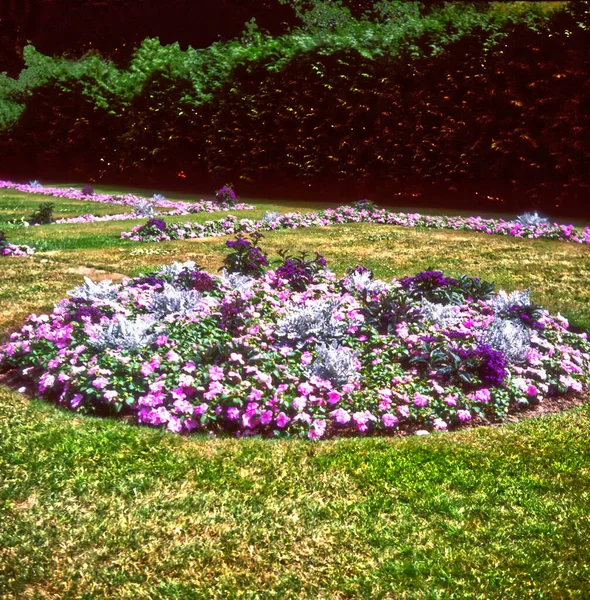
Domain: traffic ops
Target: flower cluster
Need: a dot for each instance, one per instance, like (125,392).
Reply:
(8,249)
(349,214)
(226,194)
(190,351)
(246,257)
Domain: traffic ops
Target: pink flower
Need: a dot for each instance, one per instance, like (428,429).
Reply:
(161,340)
(404,411)
(254,395)
(451,399)
(183,406)
(482,395)
(464,415)
(215,388)
(174,424)
(178,393)
(420,399)
(100,382)
(282,419)
(299,403)
(110,394)
(334,397)
(266,417)
(389,420)
(173,356)
(440,424)
(341,416)
(215,373)
(532,390)
(233,413)
(362,419)
(201,409)
(237,358)
(304,388)
(317,430)
(306,358)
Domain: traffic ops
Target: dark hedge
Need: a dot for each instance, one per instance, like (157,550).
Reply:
(459,97)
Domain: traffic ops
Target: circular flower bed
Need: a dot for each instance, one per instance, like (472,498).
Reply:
(532,229)
(295,350)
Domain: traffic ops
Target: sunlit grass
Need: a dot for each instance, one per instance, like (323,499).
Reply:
(97,508)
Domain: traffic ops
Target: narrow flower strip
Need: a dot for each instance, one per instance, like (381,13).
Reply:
(175,207)
(348,214)
(16,250)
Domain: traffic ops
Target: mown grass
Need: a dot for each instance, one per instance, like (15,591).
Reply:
(95,508)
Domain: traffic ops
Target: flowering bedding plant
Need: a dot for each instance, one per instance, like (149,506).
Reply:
(282,352)
(8,249)
(534,229)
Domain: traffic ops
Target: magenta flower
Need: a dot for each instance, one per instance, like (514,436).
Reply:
(420,399)
(389,420)
(216,373)
(317,430)
(334,397)
(340,416)
(100,383)
(282,420)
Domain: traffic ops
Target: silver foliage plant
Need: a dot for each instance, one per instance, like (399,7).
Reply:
(314,320)
(271,216)
(124,333)
(334,363)
(236,281)
(444,315)
(172,300)
(532,219)
(145,207)
(503,301)
(176,268)
(363,282)
(510,337)
(102,291)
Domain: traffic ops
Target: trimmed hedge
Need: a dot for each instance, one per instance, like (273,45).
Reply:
(455,96)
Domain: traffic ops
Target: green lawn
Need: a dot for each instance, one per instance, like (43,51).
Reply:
(95,508)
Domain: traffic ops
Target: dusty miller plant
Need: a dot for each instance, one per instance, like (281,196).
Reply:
(444,315)
(532,219)
(314,320)
(510,337)
(125,333)
(102,291)
(172,300)
(334,363)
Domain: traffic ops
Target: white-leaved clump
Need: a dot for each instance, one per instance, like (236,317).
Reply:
(532,219)
(144,207)
(336,364)
(444,315)
(103,291)
(363,282)
(503,301)
(173,301)
(510,337)
(124,333)
(316,320)
(176,268)
(236,281)
(35,184)
(271,216)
